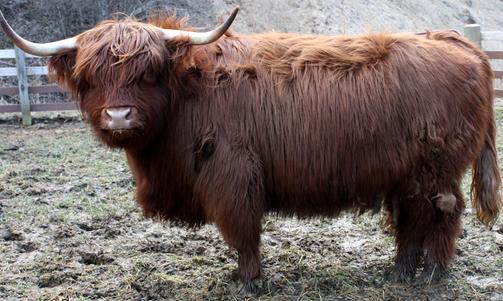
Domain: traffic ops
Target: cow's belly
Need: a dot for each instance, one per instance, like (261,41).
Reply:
(327,185)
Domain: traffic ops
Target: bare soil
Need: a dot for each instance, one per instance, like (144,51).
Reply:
(70,229)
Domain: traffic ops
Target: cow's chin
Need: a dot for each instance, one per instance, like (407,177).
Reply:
(120,138)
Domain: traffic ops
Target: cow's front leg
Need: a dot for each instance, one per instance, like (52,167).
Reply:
(246,242)
(233,199)
(240,225)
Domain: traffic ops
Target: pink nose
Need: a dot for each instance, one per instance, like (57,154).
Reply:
(119,118)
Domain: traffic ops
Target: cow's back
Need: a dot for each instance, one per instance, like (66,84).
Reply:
(328,123)
(338,122)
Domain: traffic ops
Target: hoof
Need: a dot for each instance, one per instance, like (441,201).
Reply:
(246,289)
(431,274)
(401,276)
(251,288)
(234,275)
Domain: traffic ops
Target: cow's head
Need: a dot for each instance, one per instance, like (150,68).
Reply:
(121,72)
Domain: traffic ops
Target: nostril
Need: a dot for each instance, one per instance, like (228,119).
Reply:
(128,114)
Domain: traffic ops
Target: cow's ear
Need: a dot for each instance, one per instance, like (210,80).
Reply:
(61,70)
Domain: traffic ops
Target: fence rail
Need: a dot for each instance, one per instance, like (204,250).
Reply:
(41,107)
(495,55)
(492,35)
(11,54)
(21,71)
(473,33)
(11,71)
(11,91)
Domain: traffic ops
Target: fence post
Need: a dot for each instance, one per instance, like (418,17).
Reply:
(22,82)
(472,33)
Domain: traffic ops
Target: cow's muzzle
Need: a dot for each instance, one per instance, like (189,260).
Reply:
(120,119)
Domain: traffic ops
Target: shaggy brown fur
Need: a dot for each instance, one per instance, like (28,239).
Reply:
(298,125)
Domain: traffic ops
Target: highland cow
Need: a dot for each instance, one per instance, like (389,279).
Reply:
(224,128)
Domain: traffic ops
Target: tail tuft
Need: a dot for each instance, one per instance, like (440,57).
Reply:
(486,181)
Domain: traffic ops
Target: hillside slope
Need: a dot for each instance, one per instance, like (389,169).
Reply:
(54,19)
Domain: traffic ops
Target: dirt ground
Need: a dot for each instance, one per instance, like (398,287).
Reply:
(70,230)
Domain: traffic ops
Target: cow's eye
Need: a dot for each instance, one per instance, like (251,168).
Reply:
(90,85)
(149,78)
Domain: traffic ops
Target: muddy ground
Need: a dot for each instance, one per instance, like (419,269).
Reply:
(70,229)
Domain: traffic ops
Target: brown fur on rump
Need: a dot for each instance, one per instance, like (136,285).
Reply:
(299,125)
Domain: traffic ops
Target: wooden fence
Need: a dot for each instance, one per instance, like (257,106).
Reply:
(23,89)
(474,34)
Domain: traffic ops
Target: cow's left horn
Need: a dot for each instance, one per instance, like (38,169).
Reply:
(40,49)
(200,38)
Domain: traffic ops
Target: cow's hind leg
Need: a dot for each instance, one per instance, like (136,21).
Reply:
(427,225)
(440,242)
(408,241)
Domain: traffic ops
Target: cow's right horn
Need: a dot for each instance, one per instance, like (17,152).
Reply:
(39,49)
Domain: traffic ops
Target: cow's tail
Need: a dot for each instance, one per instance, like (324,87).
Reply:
(486,182)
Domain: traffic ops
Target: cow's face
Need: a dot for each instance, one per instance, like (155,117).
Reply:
(119,74)
(123,73)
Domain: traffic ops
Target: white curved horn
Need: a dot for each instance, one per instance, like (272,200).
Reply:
(200,38)
(40,49)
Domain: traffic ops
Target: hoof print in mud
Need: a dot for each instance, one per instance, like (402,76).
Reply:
(94,258)
(51,280)
(26,247)
(86,226)
(10,235)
